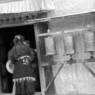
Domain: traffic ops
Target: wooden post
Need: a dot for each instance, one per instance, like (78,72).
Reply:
(41,69)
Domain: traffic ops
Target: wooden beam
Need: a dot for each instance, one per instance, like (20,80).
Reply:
(27,18)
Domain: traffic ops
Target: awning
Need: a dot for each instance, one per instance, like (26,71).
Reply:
(13,6)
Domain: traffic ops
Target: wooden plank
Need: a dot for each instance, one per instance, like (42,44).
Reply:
(6,20)
(41,69)
(37,93)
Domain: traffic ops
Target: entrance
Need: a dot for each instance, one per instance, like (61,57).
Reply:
(6,37)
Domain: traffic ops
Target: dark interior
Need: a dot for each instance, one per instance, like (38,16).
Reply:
(6,37)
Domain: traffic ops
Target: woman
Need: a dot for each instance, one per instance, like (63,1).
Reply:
(20,62)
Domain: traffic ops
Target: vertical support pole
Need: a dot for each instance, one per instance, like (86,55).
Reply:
(41,69)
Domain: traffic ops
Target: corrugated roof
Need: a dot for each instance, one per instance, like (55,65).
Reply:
(61,7)
(18,6)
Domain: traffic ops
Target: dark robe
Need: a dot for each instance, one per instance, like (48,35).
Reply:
(22,71)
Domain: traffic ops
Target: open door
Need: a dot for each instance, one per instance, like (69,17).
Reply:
(6,37)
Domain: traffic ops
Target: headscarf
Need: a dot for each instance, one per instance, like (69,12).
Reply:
(18,39)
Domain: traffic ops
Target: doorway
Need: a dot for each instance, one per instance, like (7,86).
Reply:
(6,37)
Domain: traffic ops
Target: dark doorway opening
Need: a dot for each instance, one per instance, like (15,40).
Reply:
(6,37)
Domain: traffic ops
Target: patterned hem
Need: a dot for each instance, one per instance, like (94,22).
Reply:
(24,78)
